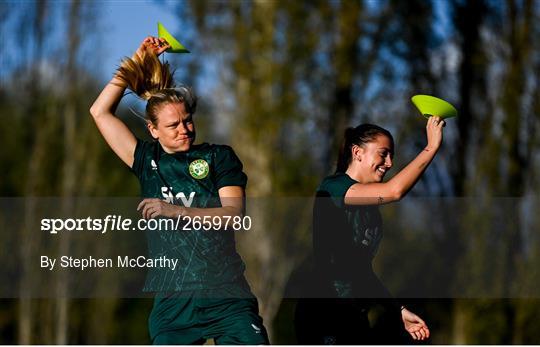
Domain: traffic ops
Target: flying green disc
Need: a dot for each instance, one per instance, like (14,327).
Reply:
(176,47)
(431,106)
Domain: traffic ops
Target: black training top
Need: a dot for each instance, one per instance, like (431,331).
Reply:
(345,240)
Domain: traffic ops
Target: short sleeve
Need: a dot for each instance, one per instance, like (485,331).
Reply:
(139,157)
(336,186)
(228,168)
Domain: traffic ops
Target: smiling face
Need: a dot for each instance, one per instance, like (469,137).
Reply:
(374,159)
(174,130)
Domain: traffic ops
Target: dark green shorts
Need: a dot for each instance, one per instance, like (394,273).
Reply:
(194,320)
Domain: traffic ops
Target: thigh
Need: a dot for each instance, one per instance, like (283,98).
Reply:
(307,324)
(172,315)
(236,322)
(331,321)
(191,336)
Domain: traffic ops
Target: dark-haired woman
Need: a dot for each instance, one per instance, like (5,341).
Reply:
(347,230)
(207,296)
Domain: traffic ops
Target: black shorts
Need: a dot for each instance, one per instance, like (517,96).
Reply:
(331,322)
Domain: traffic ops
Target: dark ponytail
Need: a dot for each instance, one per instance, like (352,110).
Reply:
(344,156)
(361,135)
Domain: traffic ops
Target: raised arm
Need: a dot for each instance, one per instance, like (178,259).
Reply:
(116,133)
(397,187)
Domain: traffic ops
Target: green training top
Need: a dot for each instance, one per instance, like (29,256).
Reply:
(207,259)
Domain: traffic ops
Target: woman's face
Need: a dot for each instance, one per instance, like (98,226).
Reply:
(175,129)
(374,159)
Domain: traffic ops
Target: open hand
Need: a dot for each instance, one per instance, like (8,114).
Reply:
(415,326)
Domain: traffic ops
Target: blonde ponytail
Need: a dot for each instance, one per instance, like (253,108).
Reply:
(153,81)
(145,75)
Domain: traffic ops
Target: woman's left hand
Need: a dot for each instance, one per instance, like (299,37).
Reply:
(415,326)
(158,45)
(152,208)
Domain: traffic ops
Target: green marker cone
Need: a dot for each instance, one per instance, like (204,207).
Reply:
(431,106)
(176,47)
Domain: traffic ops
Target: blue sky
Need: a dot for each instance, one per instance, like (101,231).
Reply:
(123,24)
(127,23)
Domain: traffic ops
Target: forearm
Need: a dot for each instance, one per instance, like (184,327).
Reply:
(232,206)
(109,98)
(408,176)
(221,212)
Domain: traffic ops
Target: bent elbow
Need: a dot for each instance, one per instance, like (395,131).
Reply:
(95,111)
(234,211)
(397,194)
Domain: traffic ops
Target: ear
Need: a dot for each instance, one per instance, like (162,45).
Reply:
(152,129)
(357,152)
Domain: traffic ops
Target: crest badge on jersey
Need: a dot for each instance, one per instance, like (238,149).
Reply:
(199,169)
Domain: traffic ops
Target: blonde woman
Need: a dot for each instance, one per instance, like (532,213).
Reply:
(207,296)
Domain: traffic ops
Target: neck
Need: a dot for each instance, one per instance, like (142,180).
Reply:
(171,151)
(353,173)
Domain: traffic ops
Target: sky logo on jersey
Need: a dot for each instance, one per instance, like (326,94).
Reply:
(199,169)
(170,198)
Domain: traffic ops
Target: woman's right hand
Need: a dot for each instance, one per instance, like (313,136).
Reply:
(414,325)
(155,44)
(434,132)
